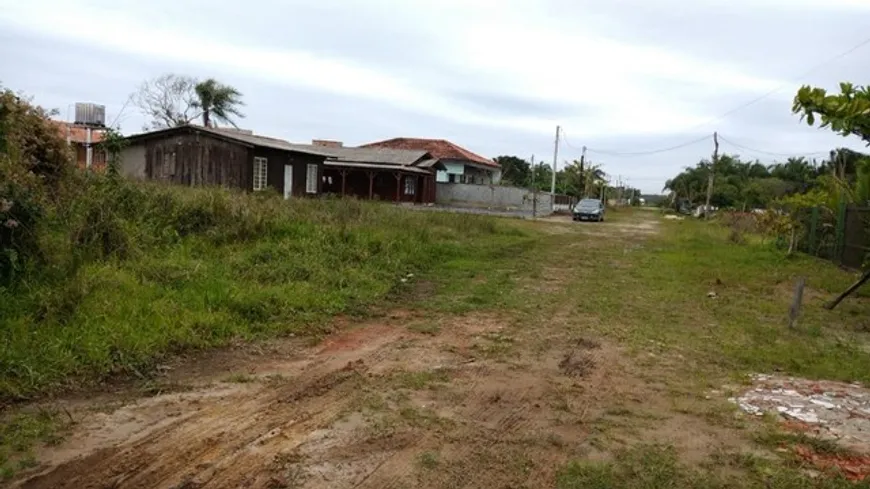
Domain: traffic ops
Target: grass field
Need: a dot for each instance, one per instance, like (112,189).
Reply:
(190,269)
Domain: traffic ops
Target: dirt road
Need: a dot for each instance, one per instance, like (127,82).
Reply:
(409,399)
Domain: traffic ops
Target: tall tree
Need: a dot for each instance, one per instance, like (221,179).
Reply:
(167,101)
(218,102)
(514,171)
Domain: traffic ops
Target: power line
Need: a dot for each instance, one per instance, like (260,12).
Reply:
(771,153)
(746,104)
(784,85)
(652,152)
(568,143)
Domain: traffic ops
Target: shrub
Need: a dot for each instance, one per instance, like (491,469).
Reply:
(34,164)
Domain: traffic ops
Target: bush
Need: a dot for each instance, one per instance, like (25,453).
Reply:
(34,165)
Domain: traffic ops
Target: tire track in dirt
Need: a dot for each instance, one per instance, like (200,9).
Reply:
(227,442)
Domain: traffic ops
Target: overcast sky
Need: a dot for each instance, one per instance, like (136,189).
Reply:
(493,76)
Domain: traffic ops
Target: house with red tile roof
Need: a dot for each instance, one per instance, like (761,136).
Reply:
(460,164)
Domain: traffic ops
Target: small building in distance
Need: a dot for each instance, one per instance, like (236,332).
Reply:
(196,155)
(459,165)
(76,135)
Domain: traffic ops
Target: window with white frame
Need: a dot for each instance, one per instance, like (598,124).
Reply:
(311,179)
(261,170)
(410,185)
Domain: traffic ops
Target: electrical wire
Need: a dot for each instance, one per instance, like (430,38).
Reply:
(740,107)
(652,152)
(568,143)
(770,153)
(784,85)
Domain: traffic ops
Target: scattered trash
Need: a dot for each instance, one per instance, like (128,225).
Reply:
(712,294)
(673,217)
(827,409)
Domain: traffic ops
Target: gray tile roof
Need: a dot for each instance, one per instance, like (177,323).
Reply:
(266,141)
(242,137)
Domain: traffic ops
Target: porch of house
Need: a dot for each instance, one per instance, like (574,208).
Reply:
(379,184)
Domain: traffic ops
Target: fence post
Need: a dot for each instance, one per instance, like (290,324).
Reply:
(814,224)
(839,242)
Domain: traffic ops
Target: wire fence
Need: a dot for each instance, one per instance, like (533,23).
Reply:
(842,236)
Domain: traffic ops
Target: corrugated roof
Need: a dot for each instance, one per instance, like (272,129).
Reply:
(438,148)
(376,166)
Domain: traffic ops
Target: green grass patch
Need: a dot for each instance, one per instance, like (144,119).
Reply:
(240,379)
(745,327)
(422,379)
(164,269)
(428,460)
(19,434)
(657,466)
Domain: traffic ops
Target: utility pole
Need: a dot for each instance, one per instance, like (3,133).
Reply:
(534,191)
(582,171)
(555,162)
(619,190)
(712,174)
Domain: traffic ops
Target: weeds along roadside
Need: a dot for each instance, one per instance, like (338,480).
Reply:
(124,273)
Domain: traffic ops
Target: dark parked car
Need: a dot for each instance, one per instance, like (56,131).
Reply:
(589,210)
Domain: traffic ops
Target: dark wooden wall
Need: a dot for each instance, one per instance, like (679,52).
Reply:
(275,175)
(198,159)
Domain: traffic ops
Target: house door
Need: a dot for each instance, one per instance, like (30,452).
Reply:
(288,181)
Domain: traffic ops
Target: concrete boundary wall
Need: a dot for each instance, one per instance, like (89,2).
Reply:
(493,197)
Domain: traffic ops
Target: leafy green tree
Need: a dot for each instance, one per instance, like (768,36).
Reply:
(542,175)
(515,171)
(218,102)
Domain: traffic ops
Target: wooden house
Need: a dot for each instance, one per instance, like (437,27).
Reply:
(196,155)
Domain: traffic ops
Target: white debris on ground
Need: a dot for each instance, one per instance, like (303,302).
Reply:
(834,410)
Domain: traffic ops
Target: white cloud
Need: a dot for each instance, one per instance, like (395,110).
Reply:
(622,75)
(513,48)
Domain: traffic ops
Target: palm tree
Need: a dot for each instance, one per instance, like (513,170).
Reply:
(593,177)
(218,102)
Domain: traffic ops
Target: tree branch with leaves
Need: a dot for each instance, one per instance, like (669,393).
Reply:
(846,113)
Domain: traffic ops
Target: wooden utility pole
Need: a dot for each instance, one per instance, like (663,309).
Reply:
(713,166)
(534,191)
(583,172)
(555,161)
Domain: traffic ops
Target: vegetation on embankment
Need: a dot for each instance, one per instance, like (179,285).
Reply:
(139,271)
(101,276)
